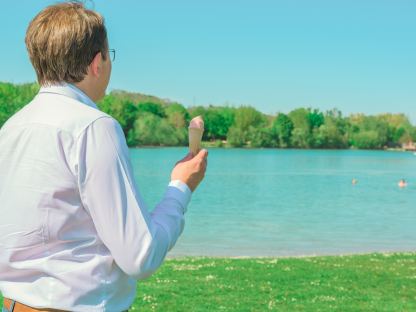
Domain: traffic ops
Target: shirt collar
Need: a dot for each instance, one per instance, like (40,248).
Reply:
(69,90)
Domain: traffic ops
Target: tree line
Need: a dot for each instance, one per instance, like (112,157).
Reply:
(148,120)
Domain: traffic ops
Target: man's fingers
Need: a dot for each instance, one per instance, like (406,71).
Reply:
(189,156)
(203,153)
(202,158)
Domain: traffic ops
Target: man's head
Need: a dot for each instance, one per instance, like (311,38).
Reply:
(68,43)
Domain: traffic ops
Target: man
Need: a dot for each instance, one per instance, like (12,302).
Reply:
(75,233)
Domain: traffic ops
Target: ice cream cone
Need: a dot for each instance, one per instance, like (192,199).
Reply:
(195,136)
(195,132)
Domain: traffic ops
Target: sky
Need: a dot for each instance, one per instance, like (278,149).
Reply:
(358,56)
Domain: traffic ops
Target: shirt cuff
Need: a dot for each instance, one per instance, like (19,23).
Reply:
(181,192)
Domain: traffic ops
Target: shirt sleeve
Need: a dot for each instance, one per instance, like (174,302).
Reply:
(138,240)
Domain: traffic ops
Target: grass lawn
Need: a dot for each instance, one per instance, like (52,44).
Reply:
(372,282)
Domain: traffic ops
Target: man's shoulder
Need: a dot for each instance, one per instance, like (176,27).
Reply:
(62,113)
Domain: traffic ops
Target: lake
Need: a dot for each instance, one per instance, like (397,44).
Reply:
(271,202)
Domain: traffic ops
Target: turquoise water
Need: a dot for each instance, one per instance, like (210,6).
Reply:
(265,202)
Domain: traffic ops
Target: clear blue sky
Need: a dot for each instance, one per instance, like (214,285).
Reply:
(277,55)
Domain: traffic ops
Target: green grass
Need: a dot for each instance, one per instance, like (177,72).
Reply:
(373,282)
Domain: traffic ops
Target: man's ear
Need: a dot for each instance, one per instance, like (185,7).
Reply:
(95,66)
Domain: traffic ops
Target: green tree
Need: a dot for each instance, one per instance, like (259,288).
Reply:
(400,128)
(123,110)
(177,115)
(245,118)
(262,137)
(14,97)
(150,129)
(282,128)
(236,137)
(217,121)
(316,118)
(179,118)
(368,132)
(150,107)
(332,133)
(306,124)
(301,133)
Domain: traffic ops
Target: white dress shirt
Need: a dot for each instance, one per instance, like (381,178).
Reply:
(75,233)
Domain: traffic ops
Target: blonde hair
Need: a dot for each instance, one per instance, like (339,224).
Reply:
(62,40)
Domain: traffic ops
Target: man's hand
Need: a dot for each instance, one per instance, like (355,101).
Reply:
(191,169)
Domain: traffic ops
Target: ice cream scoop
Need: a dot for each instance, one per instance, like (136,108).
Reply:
(195,131)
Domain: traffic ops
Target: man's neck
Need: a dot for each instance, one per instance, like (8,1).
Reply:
(88,91)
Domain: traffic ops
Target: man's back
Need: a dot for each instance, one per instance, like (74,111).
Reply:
(46,235)
(38,167)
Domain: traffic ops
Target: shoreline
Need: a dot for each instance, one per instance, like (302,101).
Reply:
(273,148)
(302,256)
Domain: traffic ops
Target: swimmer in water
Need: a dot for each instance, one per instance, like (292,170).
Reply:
(354,181)
(402,183)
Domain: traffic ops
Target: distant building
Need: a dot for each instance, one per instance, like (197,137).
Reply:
(409,146)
